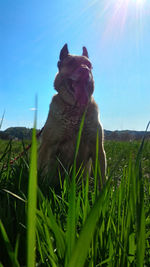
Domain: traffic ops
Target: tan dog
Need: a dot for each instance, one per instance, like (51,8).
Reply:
(74,84)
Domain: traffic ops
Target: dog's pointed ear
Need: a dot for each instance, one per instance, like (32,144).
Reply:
(64,52)
(85,52)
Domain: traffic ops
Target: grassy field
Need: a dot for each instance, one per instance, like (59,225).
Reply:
(80,226)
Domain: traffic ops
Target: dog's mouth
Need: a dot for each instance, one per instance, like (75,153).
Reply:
(80,85)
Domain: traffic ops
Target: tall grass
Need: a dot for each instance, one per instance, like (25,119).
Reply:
(78,227)
(32,198)
(71,218)
(1,120)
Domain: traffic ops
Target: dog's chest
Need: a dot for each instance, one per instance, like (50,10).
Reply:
(69,123)
(66,119)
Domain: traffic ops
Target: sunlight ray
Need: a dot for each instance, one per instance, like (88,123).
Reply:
(121,13)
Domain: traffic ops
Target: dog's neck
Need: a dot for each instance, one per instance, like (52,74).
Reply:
(69,99)
(66,96)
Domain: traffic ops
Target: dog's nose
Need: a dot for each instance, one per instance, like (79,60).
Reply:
(81,73)
(84,71)
(84,67)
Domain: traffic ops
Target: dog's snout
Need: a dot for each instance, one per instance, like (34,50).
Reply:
(84,67)
(84,71)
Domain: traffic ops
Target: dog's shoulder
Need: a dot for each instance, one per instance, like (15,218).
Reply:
(92,122)
(92,111)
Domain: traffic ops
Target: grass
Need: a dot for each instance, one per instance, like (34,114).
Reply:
(32,199)
(80,226)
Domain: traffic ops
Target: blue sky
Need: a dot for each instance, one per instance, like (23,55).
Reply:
(117,36)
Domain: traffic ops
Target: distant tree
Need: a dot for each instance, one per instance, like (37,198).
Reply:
(19,132)
(4,135)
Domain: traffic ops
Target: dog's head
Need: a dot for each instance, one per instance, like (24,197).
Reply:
(74,81)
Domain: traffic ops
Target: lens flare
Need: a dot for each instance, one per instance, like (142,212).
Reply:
(140,2)
(121,13)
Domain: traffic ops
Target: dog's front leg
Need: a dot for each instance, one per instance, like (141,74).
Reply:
(101,175)
(46,156)
(47,160)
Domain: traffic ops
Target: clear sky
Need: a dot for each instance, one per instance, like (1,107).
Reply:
(117,36)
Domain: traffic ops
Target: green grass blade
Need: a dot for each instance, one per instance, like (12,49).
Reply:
(70,234)
(53,257)
(32,198)
(96,165)
(79,135)
(50,220)
(71,219)
(59,234)
(1,121)
(138,159)
(82,246)
(86,201)
(14,195)
(140,213)
(8,246)
(140,226)
(132,246)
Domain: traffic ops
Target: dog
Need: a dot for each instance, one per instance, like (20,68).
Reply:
(74,85)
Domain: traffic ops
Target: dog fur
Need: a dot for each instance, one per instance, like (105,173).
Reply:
(74,84)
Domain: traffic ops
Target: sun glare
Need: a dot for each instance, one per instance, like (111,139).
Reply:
(140,2)
(122,13)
